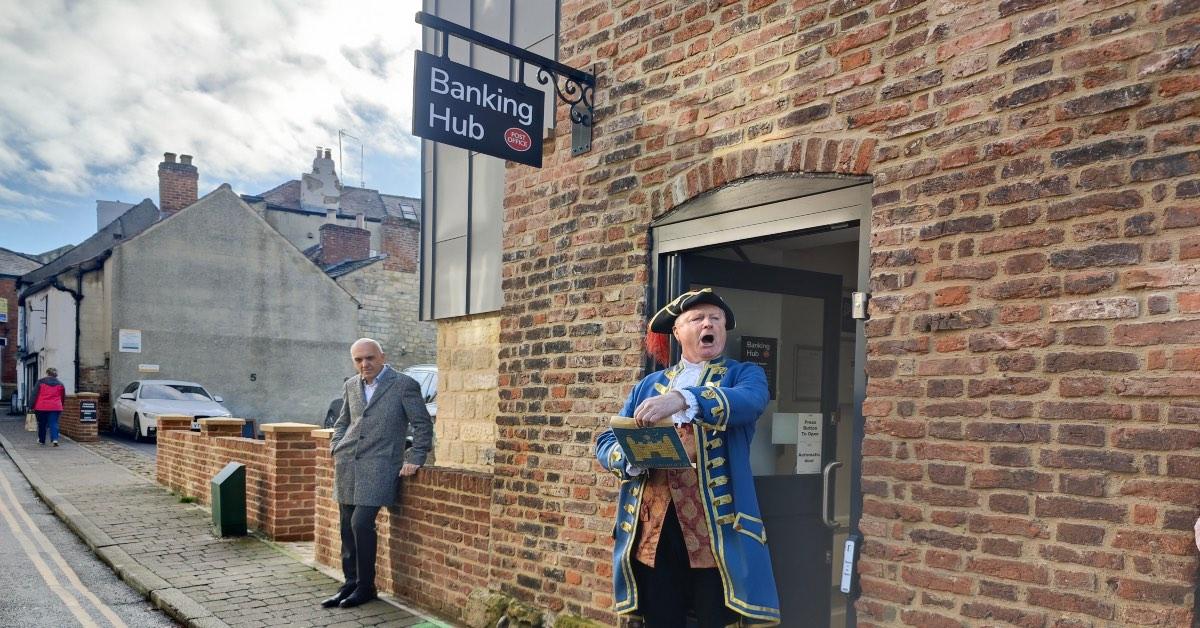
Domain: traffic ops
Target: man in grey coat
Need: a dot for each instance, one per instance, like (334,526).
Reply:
(368,447)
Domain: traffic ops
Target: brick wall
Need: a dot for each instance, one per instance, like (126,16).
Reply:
(340,243)
(433,546)
(388,312)
(465,432)
(8,354)
(280,470)
(400,240)
(1032,397)
(177,183)
(69,422)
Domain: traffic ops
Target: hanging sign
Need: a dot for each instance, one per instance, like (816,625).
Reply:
(461,106)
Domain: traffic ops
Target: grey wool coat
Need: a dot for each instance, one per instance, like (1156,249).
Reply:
(368,438)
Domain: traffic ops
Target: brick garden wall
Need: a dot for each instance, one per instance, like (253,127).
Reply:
(1032,406)
(69,421)
(280,470)
(187,462)
(433,546)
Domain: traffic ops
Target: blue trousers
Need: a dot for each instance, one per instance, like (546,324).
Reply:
(47,419)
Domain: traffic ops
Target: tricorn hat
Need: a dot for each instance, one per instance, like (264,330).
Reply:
(664,320)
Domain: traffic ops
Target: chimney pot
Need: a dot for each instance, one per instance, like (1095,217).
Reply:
(318,152)
(185,159)
(169,157)
(327,151)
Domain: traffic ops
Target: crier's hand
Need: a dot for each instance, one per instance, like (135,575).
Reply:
(409,469)
(659,408)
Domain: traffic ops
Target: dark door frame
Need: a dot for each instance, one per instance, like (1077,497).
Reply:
(809,497)
(815,211)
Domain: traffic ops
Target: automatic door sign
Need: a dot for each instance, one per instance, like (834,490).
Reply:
(461,106)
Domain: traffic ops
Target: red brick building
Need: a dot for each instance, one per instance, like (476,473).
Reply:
(12,266)
(1013,182)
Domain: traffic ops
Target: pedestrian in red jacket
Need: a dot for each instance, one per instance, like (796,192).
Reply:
(49,394)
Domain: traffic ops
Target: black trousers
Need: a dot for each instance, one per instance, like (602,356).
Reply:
(669,589)
(358,546)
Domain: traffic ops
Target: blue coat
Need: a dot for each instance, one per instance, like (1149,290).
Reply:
(731,396)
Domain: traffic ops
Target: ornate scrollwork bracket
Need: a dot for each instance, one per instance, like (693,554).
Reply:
(573,92)
(571,86)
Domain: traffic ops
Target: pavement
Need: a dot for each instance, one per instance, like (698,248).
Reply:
(50,578)
(165,548)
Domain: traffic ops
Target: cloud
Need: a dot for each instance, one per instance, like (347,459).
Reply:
(97,90)
(25,215)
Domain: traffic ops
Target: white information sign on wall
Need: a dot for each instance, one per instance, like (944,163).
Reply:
(808,442)
(147,368)
(129,340)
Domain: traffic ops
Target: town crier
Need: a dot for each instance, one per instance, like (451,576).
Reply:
(692,539)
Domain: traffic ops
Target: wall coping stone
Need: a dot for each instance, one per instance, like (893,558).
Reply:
(86,395)
(324,434)
(287,427)
(174,422)
(215,422)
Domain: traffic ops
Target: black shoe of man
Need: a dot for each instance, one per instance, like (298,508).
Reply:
(337,598)
(358,598)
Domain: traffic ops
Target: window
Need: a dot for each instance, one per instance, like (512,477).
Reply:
(463,192)
(175,392)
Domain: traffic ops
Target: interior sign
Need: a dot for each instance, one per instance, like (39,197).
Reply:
(461,106)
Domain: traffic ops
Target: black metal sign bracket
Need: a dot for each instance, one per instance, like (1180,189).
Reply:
(573,87)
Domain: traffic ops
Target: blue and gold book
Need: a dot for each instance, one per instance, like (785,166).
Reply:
(654,447)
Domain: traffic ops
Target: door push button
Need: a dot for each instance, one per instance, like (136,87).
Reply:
(849,557)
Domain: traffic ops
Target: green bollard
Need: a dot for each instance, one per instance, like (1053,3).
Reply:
(229,501)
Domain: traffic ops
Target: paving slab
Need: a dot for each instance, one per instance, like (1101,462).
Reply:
(166,549)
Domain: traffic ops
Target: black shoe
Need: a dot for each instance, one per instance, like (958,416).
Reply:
(337,598)
(358,598)
(56,443)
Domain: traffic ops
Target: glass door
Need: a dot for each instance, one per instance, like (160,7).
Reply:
(788,321)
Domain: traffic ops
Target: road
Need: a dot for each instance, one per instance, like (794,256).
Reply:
(50,579)
(148,449)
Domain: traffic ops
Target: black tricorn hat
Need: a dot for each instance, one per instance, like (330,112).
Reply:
(664,320)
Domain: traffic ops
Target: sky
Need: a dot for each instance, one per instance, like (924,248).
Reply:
(95,91)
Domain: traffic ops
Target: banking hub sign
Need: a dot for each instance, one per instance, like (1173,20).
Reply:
(461,106)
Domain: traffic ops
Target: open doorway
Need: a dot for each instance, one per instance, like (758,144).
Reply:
(789,268)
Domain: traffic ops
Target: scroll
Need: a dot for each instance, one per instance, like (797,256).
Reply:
(653,447)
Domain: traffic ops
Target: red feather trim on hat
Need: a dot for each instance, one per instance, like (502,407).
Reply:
(658,346)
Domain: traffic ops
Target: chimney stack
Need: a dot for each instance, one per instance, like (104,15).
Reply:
(340,243)
(400,241)
(177,183)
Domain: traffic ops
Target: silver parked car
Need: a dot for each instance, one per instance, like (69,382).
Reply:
(140,404)
(426,376)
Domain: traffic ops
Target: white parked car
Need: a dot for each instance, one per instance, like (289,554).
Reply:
(138,407)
